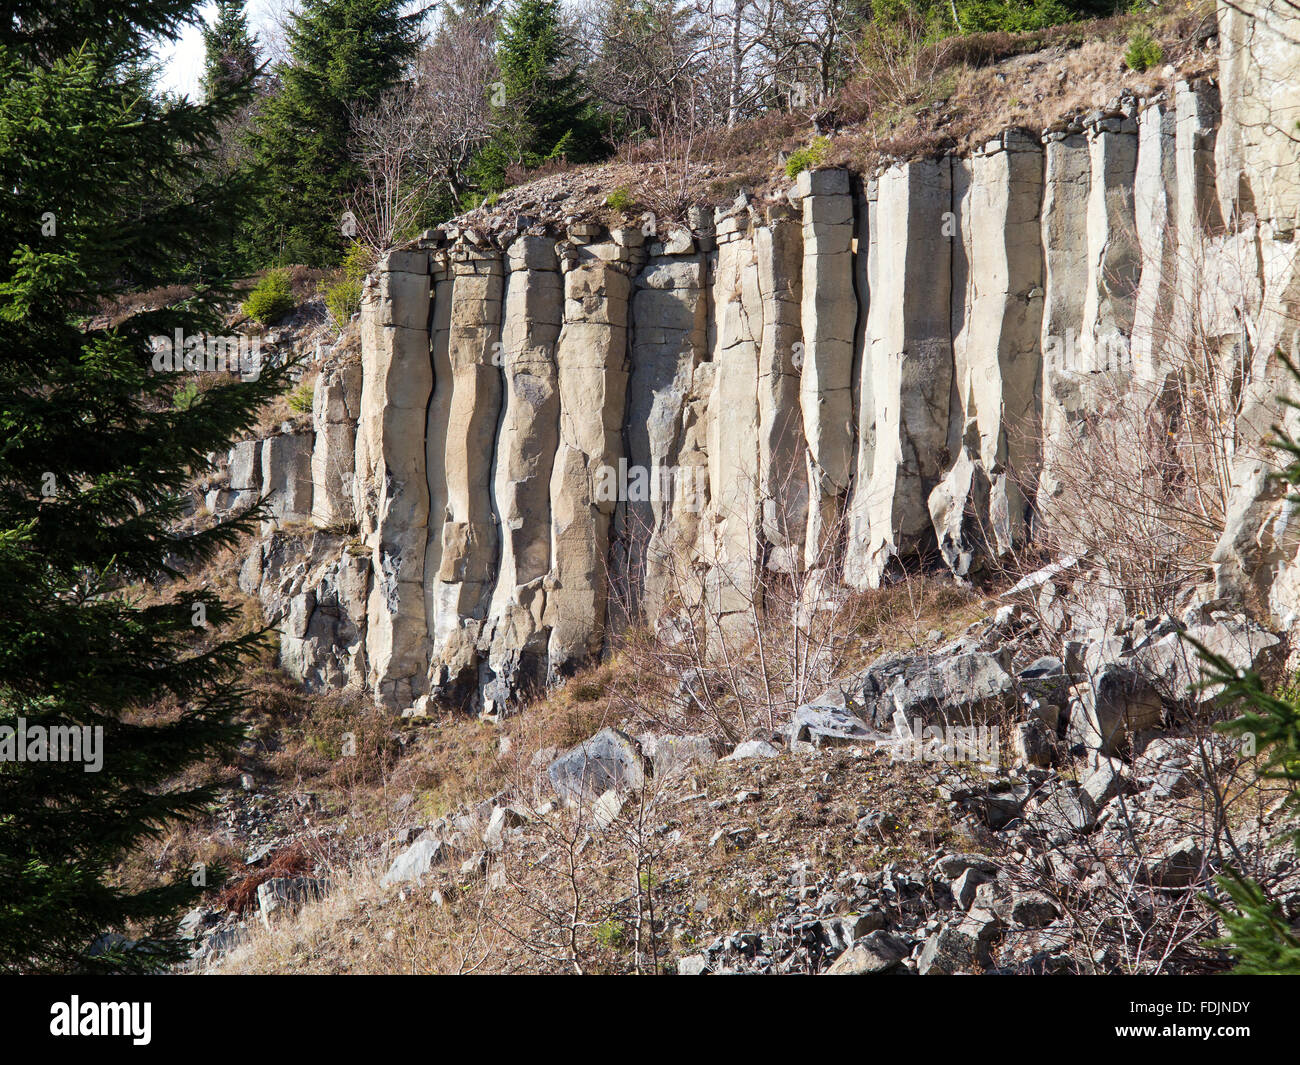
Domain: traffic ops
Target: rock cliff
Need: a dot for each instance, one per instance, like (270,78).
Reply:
(559,428)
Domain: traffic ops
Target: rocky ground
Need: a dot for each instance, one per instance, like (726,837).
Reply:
(840,843)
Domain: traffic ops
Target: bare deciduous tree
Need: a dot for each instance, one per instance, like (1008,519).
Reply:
(417,143)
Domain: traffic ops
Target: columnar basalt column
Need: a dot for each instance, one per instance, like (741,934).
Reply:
(526,443)
(731,539)
(392,495)
(996,323)
(1258,192)
(1259,79)
(911,357)
(1155,199)
(1258,554)
(336,407)
(1067,178)
(829,317)
(437,417)
(783,479)
(470,540)
(287,478)
(1114,259)
(669,315)
(1197,114)
(593,373)
(857,553)
(1204,301)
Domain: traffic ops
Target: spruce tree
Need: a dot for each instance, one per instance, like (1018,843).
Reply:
(541,110)
(343,53)
(230,51)
(95,455)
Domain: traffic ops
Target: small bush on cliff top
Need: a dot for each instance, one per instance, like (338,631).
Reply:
(802,159)
(1143,52)
(620,199)
(271,299)
(343,294)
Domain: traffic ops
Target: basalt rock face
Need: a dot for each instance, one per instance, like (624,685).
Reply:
(1256,182)
(557,430)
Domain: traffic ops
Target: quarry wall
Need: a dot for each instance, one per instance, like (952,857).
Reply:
(557,430)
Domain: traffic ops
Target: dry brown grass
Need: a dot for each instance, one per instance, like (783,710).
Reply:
(972,88)
(241,895)
(535,911)
(403,773)
(951,96)
(748,683)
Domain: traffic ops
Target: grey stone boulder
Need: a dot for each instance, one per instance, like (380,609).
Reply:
(753,749)
(676,754)
(1173,765)
(1172,664)
(1045,689)
(609,760)
(1115,703)
(500,822)
(875,825)
(1104,782)
(1033,744)
(219,501)
(414,862)
(1106,651)
(1175,865)
(1026,909)
(952,866)
(196,922)
(869,920)
(965,887)
(693,965)
(964,688)
(1043,669)
(824,724)
(876,954)
(1000,804)
(284,894)
(961,946)
(1064,811)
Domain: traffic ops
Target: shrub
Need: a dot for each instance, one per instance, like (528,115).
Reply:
(611,935)
(186,396)
(620,199)
(1143,52)
(802,159)
(300,399)
(473,199)
(343,294)
(989,16)
(271,299)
